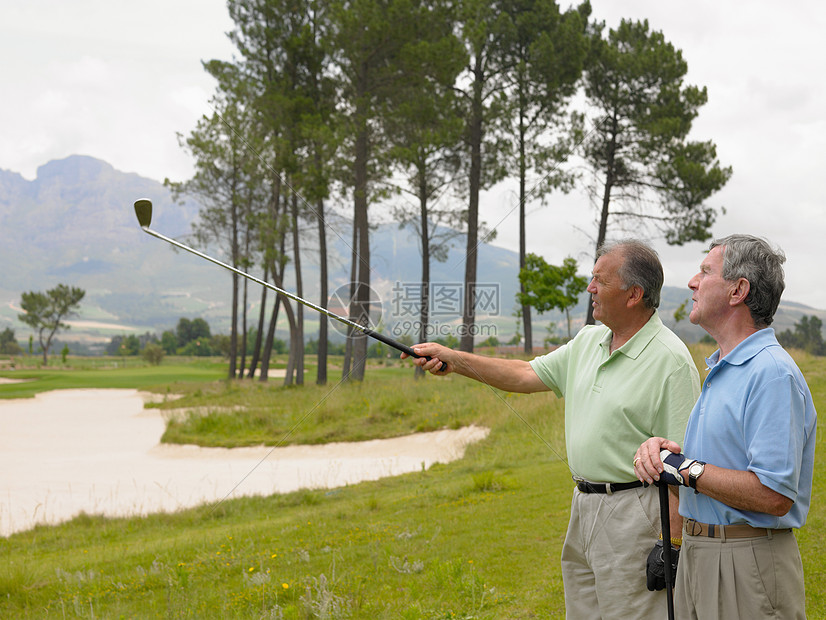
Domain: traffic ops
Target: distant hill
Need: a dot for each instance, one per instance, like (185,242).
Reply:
(75,224)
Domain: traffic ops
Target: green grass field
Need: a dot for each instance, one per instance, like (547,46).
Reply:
(111,373)
(477,538)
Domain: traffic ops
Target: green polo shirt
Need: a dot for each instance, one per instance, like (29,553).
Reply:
(614,402)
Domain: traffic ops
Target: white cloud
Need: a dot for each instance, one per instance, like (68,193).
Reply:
(86,71)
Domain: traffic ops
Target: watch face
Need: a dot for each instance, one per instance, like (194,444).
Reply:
(696,469)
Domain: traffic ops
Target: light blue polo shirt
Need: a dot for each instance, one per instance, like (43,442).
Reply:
(755,414)
(615,401)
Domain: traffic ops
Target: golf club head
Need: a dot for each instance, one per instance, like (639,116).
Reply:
(143,209)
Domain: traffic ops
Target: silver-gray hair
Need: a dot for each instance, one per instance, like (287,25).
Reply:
(640,267)
(753,258)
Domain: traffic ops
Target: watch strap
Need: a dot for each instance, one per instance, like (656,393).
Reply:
(692,479)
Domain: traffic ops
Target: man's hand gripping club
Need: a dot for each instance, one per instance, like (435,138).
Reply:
(660,459)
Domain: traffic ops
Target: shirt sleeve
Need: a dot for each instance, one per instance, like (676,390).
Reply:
(552,369)
(775,434)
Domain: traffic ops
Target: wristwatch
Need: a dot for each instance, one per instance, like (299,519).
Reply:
(695,470)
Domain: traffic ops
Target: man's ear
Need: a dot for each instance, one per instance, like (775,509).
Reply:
(635,294)
(739,292)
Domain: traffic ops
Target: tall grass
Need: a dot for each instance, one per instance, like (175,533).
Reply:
(477,538)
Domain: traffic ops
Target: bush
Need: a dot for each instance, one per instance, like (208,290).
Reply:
(493,341)
(221,344)
(8,343)
(169,342)
(197,348)
(153,354)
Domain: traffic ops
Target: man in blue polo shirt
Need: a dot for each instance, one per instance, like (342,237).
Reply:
(751,442)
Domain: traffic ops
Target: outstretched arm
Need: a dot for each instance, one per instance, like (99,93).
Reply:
(508,375)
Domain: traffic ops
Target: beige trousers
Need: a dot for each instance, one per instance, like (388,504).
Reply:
(603,559)
(747,578)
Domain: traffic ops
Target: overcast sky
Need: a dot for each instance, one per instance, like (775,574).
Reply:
(116,80)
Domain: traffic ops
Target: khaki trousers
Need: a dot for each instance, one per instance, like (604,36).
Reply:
(603,559)
(748,578)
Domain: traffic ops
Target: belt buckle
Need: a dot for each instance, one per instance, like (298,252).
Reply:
(693,527)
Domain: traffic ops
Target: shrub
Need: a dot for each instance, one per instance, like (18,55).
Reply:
(153,354)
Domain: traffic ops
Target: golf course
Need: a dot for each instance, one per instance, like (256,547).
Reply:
(477,537)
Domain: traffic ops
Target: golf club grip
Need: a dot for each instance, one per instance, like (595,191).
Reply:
(399,346)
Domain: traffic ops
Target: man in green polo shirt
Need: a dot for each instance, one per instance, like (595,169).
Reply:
(624,381)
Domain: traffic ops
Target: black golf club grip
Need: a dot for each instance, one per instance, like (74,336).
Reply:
(399,346)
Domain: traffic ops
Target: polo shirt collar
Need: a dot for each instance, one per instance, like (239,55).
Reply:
(637,343)
(746,350)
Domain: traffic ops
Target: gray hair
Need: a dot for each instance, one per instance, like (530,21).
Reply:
(752,258)
(640,267)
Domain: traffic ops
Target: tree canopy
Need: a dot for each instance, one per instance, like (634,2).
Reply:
(807,335)
(8,343)
(44,312)
(548,287)
(640,155)
(350,100)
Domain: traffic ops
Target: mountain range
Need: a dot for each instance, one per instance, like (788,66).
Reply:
(74,224)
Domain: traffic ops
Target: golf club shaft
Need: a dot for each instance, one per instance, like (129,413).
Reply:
(365,330)
(665,518)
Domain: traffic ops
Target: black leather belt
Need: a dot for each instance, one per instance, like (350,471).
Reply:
(593,487)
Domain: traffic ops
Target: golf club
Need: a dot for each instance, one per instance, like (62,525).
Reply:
(143,209)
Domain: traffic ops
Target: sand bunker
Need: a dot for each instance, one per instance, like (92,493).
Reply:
(98,451)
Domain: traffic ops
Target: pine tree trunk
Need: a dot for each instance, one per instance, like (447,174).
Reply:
(526,309)
(243,343)
(361,306)
(424,316)
(259,336)
(321,372)
(348,345)
(297,327)
(475,183)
